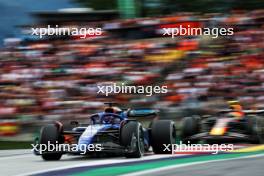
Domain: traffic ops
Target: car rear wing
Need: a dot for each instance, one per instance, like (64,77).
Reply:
(145,116)
(248,112)
(147,113)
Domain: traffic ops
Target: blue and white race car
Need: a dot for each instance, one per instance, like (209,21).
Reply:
(112,131)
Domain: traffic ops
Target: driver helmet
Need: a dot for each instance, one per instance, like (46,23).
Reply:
(117,109)
(113,109)
(237,110)
(235,106)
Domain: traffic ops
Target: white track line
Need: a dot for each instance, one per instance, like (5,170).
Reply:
(99,162)
(26,155)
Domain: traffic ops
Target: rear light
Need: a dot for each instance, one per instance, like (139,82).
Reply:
(218,131)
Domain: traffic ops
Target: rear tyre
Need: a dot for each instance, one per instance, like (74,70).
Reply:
(162,132)
(51,134)
(190,126)
(132,138)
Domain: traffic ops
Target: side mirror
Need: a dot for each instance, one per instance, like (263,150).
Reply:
(75,123)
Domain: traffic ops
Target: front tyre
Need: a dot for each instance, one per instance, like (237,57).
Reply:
(50,134)
(190,126)
(255,127)
(132,138)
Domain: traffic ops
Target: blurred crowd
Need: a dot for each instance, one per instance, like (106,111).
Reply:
(57,79)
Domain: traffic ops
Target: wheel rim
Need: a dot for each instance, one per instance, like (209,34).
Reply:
(173,133)
(141,142)
(137,142)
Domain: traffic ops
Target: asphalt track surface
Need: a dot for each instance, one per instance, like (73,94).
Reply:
(241,167)
(251,166)
(23,162)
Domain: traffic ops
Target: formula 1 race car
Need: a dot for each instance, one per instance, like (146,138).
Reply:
(224,128)
(113,131)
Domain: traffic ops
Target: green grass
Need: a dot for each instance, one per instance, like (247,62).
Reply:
(4,145)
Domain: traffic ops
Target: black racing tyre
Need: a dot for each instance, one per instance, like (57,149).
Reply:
(255,128)
(163,132)
(132,138)
(190,126)
(251,125)
(51,134)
